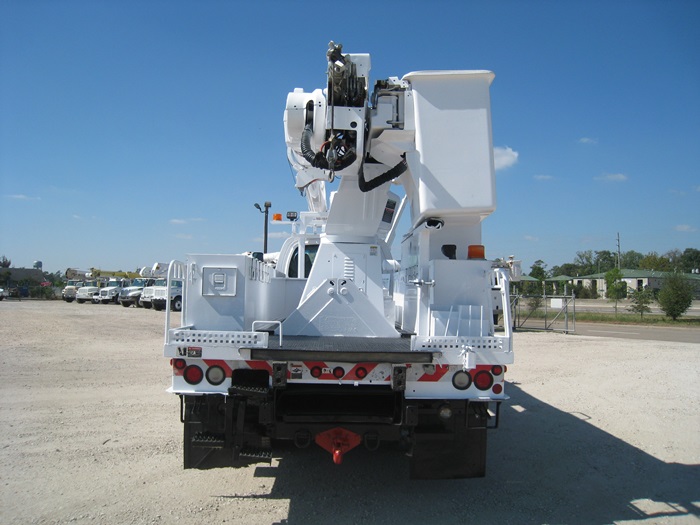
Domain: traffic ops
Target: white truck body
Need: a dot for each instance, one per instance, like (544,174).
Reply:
(339,343)
(87,294)
(110,293)
(70,291)
(131,295)
(156,296)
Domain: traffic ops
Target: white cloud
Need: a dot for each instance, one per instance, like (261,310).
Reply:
(531,238)
(77,217)
(22,197)
(504,157)
(685,228)
(184,236)
(185,221)
(543,177)
(612,177)
(587,140)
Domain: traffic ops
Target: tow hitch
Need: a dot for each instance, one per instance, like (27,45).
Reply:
(338,441)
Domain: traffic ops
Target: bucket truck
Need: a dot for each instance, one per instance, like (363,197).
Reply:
(340,344)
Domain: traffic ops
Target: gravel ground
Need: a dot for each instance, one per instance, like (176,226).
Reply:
(597,431)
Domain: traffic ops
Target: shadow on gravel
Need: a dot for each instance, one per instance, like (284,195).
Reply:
(544,466)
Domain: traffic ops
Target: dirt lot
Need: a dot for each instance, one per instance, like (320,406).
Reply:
(597,431)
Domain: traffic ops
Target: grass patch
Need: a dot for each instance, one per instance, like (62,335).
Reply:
(619,318)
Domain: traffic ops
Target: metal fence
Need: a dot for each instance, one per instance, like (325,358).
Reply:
(544,312)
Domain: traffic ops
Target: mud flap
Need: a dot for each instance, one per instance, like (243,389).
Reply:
(214,435)
(449,455)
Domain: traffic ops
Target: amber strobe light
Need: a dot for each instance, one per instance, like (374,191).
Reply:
(476,251)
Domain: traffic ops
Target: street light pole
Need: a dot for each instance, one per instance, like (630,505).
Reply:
(267,206)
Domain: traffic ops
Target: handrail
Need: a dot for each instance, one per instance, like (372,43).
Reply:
(176,270)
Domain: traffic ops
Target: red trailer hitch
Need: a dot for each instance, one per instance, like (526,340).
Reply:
(338,441)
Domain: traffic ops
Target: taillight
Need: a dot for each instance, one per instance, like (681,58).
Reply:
(338,372)
(361,372)
(179,364)
(215,375)
(483,380)
(497,370)
(316,372)
(461,380)
(193,375)
(497,388)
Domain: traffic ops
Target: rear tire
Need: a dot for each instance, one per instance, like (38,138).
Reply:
(176,304)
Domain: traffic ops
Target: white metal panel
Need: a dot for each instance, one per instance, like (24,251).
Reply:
(453,164)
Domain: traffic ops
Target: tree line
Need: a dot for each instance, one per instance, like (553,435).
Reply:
(674,297)
(591,262)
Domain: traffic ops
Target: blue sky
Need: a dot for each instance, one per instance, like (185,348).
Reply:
(139,131)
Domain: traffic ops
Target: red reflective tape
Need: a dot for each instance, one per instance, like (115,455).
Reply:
(260,365)
(323,366)
(221,363)
(312,364)
(440,371)
(352,374)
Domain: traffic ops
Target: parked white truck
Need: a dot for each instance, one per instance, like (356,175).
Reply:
(70,290)
(88,292)
(131,295)
(134,293)
(76,279)
(110,293)
(317,349)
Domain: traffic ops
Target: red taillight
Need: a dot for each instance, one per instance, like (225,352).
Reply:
(179,364)
(361,373)
(316,372)
(193,375)
(338,372)
(497,370)
(497,388)
(483,380)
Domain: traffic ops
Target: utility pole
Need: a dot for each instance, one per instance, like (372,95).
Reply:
(618,250)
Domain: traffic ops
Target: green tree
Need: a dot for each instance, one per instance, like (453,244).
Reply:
(615,287)
(654,261)
(674,259)
(537,271)
(640,301)
(605,260)
(630,260)
(584,260)
(675,296)
(690,260)
(565,269)
(5,262)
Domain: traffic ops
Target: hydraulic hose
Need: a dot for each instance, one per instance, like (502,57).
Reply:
(316,159)
(387,176)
